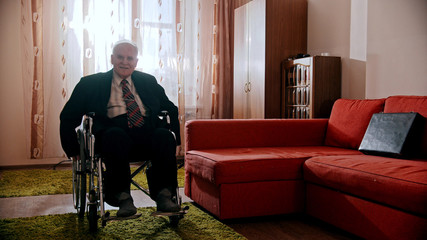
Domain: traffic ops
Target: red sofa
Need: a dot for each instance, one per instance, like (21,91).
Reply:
(244,168)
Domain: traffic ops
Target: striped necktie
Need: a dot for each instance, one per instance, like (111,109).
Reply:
(135,118)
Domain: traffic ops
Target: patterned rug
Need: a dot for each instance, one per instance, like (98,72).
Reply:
(195,225)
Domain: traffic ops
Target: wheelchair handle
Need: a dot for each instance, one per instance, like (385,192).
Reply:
(165,114)
(87,122)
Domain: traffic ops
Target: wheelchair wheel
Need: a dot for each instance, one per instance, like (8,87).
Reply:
(93,211)
(174,220)
(79,178)
(79,187)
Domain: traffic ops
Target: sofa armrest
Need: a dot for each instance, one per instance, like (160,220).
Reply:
(241,133)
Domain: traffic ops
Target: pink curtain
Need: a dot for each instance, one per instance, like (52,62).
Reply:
(43,71)
(224,52)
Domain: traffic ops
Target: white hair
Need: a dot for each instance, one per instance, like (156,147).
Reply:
(125,41)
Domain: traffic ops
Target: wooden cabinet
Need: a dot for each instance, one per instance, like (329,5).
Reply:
(265,33)
(310,86)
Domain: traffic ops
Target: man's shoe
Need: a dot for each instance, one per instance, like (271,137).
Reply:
(126,207)
(164,202)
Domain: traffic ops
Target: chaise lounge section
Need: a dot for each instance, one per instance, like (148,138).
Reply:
(245,168)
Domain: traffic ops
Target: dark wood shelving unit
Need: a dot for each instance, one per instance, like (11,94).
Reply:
(310,86)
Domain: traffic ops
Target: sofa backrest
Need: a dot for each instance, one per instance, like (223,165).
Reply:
(205,134)
(349,120)
(417,104)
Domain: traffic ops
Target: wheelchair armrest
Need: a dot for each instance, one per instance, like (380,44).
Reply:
(87,121)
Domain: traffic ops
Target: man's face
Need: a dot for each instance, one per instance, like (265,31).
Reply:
(124,60)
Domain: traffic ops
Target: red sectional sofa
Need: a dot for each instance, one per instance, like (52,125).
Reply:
(244,168)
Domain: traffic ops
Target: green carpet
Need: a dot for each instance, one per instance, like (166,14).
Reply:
(195,225)
(19,183)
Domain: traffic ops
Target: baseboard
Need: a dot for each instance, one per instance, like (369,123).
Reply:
(65,163)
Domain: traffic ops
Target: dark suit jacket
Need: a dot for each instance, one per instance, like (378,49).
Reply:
(92,94)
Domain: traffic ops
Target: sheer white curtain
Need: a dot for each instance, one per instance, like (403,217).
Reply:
(198,58)
(95,25)
(67,39)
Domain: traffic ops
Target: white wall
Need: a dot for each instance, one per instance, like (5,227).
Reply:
(397,48)
(329,31)
(12,137)
(396,60)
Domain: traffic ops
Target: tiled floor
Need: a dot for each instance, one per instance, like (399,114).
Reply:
(17,207)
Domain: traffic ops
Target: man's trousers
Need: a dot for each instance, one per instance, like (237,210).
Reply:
(120,145)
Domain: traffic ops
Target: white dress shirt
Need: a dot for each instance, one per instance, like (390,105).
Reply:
(116,105)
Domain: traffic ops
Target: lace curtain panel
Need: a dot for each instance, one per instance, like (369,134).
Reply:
(66,39)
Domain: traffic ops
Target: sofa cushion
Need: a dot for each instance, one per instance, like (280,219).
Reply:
(409,104)
(349,120)
(398,183)
(234,165)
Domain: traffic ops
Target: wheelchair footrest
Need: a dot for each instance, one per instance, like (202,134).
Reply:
(115,218)
(170,214)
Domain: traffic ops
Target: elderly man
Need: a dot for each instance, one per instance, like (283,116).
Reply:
(126,104)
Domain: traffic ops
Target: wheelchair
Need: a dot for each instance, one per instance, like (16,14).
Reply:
(88,172)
